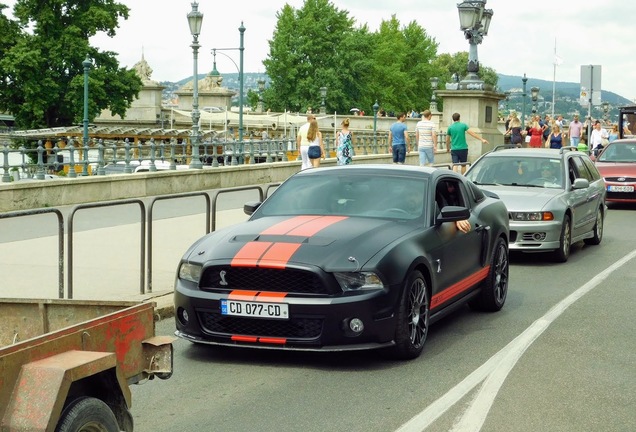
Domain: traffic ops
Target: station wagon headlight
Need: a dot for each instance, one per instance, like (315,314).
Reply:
(531,216)
(190,272)
(356,281)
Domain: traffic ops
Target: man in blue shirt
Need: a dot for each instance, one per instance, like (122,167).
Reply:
(399,139)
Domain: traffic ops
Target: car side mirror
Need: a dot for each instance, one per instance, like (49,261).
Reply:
(453,214)
(581,183)
(250,207)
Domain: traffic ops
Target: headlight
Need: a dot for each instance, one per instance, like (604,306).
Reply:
(190,272)
(531,216)
(356,281)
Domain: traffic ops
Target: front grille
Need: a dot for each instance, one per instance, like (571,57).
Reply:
(623,179)
(296,328)
(263,279)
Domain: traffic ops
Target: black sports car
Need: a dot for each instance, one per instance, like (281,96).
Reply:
(346,258)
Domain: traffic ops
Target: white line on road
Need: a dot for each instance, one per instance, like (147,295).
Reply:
(496,369)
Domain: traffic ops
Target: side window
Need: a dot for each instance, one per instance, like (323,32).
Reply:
(592,169)
(450,192)
(582,170)
(572,171)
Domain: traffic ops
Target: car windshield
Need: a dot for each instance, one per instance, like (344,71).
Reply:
(347,194)
(518,171)
(619,152)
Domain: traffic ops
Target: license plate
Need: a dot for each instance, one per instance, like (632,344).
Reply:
(254,309)
(613,188)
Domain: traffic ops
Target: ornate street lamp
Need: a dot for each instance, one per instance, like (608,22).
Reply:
(261,88)
(474,21)
(195,20)
(534,95)
(87,65)
(605,106)
(323,95)
(507,94)
(376,107)
(524,80)
(434,83)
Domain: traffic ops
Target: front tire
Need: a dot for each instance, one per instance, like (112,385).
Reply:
(597,232)
(565,243)
(495,288)
(412,318)
(87,414)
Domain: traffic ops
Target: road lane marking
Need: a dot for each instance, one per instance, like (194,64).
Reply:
(494,371)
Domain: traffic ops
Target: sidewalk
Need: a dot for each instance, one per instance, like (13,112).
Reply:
(106,262)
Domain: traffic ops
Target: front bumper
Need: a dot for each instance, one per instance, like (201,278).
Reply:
(535,236)
(314,324)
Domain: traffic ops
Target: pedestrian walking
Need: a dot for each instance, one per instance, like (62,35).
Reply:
(303,144)
(316,150)
(575,130)
(555,139)
(345,153)
(536,135)
(399,139)
(456,142)
(514,130)
(426,138)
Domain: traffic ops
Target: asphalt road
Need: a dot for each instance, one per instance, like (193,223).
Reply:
(560,356)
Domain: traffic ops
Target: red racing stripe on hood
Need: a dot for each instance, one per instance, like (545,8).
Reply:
(277,255)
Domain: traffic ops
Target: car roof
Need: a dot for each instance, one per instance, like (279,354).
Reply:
(384,169)
(532,152)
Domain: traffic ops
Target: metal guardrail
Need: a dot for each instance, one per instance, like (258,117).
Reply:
(145,233)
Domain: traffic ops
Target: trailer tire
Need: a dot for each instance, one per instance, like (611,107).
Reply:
(87,414)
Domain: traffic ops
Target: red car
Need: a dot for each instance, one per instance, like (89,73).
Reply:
(617,165)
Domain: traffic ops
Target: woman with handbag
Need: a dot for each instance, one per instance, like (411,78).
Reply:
(316,150)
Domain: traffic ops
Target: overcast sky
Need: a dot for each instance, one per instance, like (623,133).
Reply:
(521,38)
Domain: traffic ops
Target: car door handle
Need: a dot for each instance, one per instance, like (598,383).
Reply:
(479,228)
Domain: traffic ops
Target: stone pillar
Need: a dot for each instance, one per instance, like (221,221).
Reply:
(479,110)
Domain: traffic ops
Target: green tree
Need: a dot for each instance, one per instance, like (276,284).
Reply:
(446,65)
(41,72)
(401,59)
(312,47)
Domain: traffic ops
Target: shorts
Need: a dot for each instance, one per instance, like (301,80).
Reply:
(399,153)
(574,141)
(459,156)
(427,155)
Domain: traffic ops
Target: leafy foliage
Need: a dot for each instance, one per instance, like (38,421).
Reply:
(41,71)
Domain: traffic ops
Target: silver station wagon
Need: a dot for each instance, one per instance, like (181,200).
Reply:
(555,197)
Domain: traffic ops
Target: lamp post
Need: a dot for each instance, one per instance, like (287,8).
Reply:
(474,21)
(534,95)
(507,94)
(524,80)
(261,88)
(434,83)
(323,96)
(87,65)
(376,107)
(195,20)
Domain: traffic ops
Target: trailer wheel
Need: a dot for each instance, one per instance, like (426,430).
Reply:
(87,414)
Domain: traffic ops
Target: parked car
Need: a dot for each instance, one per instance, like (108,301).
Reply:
(617,165)
(555,197)
(346,258)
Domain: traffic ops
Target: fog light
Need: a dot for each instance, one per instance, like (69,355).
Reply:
(540,236)
(182,314)
(356,325)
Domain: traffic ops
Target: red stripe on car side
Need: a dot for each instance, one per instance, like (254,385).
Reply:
(459,287)
(287,225)
(249,254)
(314,226)
(243,295)
(278,255)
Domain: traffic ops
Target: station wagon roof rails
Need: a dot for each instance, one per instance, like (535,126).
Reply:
(503,147)
(568,148)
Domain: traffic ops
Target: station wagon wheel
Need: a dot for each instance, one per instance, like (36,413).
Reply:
(87,414)
(565,241)
(412,319)
(495,288)
(597,233)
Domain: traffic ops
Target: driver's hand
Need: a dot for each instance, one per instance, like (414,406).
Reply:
(463,225)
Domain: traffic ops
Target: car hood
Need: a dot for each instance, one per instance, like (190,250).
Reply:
(617,169)
(522,198)
(330,242)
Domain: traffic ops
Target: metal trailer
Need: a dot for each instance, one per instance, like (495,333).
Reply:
(66,365)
